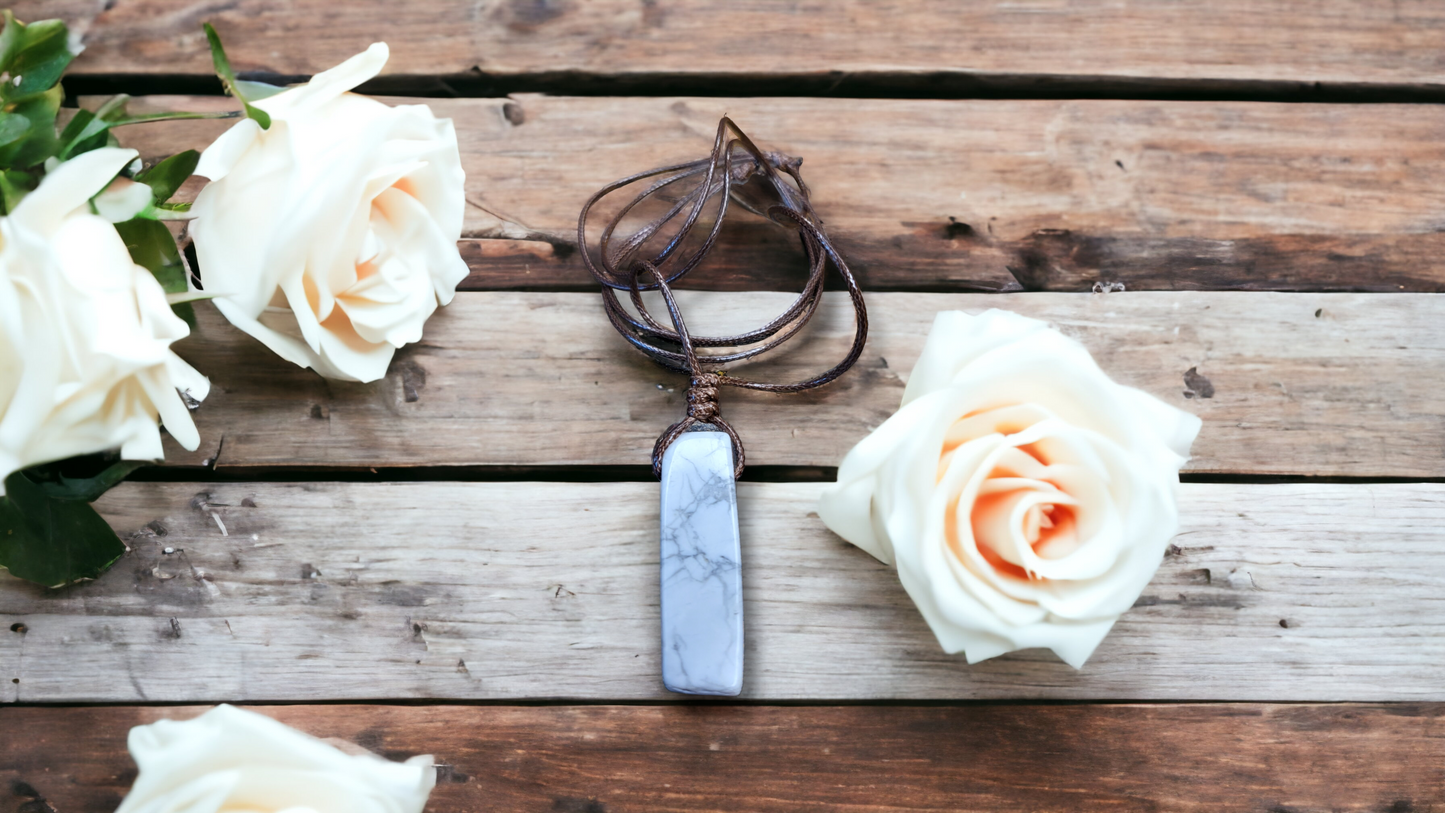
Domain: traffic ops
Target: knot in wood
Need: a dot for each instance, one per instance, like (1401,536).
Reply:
(702,397)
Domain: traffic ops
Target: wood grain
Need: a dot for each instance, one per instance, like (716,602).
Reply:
(1304,384)
(596,759)
(1331,41)
(510,591)
(974,195)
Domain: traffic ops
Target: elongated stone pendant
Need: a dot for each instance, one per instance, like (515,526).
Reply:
(702,580)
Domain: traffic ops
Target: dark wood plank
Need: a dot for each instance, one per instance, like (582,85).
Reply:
(608,759)
(756,258)
(974,195)
(1329,41)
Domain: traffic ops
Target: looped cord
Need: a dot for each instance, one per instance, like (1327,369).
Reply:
(737,172)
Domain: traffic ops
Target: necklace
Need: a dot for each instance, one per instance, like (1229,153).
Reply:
(699,457)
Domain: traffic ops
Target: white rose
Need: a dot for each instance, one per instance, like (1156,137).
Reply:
(242,762)
(1025,498)
(332,236)
(85,333)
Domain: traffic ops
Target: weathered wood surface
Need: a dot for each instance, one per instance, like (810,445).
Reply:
(1317,384)
(1332,41)
(595,759)
(324,591)
(973,195)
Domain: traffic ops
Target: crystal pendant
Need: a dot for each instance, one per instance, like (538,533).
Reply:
(702,599)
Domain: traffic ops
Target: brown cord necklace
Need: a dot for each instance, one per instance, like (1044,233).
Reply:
(727,175)
(700,456)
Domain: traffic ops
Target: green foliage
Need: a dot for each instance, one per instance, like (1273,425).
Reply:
(15,185)
(36,55)
(152,247)
(32,58)
(49,533)
(82,478)
(33,55)
(151,244)
(91,130)
(228,79)
(36,116)
(167,176)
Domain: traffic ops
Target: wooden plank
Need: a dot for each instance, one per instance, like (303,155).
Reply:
(1331,41)
(595,759)
(324,591)
(975,195)
(1304,384)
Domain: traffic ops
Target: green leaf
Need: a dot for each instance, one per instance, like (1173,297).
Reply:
(83,477)
(32,58)
(12,128)
(85,489)
(35,54)
(40,141)
(14,186)
(151,245)
(78,123)
(186,311)
(52,541)
(87,131)
(114,108)
(167,176)
(83,133)
(228,78)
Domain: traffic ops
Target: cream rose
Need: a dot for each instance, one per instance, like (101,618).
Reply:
(1025,498)
(239,761)
(332,236)
(85,333)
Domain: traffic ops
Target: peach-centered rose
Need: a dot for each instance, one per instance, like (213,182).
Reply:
(1025,498)
(332,236)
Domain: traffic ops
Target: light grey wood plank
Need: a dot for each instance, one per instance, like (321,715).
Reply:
(1312,384)
(549,590)
(12,646)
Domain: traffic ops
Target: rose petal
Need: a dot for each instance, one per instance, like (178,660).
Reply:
(229,759)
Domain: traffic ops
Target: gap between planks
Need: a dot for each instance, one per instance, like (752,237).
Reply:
(1354,757)
(548,591)
(1303,384)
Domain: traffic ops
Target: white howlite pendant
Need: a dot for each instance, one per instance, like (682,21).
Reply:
(702,580)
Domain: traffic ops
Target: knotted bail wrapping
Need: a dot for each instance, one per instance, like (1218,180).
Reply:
(702,409)
(702,397)
(739,172)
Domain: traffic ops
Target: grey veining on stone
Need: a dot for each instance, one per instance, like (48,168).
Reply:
(702,582)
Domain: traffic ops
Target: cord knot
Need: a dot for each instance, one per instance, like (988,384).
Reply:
(702,397)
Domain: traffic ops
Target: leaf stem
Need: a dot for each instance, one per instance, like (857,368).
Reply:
(175,116)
